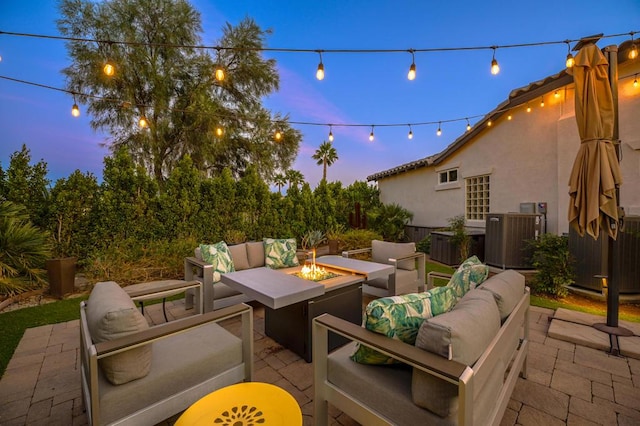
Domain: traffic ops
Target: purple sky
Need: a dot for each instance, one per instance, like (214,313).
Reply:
(358,88)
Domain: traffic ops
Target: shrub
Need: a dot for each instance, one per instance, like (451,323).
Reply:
(359,238)
(424,245)
(552,260)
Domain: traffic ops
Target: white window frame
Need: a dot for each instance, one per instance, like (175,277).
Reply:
(477,198)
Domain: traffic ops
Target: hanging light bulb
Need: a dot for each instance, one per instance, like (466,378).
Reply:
(570,61)
(330,133)
(468,125)
(489,123)
(635,80)
(556,94)
(143,123)
(371,134)
(439,131)
(410,135)
(495,68)
(219,131)
(633,52)
(219,73)
(75,111)
(509,117)
(320,71)
(109,69)
(541,102)
(412,69)
(278,134)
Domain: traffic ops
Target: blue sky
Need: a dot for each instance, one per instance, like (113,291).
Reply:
(358,88)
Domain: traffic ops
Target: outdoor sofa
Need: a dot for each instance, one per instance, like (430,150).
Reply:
(134,374)
(461,370)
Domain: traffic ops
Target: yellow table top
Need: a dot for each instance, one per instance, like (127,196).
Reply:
(244,404)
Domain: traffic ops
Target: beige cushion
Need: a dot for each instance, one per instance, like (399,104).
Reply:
(112,314)
(255,254)
(462,335)
(507,288)
(382,251)
(239,256)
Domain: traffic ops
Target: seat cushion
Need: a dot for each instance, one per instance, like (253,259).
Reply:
(382,251)
(507,288)
(239,256)
(462,335)
(219,256)
(111,314)
(255,253)
(400,317)
(469,275)
(280,253)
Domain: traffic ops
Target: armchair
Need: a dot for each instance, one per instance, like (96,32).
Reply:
(406,277)
(135,374)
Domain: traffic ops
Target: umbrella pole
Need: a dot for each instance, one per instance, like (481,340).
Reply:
(613,294)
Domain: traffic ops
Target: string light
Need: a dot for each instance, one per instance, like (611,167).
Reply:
(633,53)
(570,61)
(143,123)
(219,131)
(528,107)
(109,69)
(495,68)
(75,111)
(635,80)
(412,69)
(330,133)
(278,135)
(468,125)
(439,131)
(410,135)
(489,123)
(320,71)
(509,117)
(556,94)
(219,73)
(371,134)
(542,102)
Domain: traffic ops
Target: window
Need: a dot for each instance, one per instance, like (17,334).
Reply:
(448,176)
(477,197)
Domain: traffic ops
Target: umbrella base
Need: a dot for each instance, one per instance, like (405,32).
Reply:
(615,331)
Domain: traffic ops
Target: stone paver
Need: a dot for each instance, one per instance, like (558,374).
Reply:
(568,383)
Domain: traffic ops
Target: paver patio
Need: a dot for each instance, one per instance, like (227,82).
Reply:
(567,383)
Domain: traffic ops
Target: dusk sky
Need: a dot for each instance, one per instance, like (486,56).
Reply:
(359,88)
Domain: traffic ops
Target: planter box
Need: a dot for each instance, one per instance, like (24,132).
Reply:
(62,276)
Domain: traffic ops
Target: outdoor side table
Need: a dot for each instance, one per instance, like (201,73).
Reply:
(247,403)
(161,289)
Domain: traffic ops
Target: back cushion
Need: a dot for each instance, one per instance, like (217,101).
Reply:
(462,335)
(112,314)
(469,274)
(255,253)
(400,317)
(219,256)
(239,256)
(382,251)
(507,288)
(280,253)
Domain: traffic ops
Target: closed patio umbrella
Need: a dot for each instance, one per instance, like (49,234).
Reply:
(593,203)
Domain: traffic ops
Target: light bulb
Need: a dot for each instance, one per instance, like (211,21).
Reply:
(109,69)
(278,135)
(412,72)
(371,135)
(556,94)
(439,131)
(509,117)
(570,61)
(219,73)
(143,123)
(489,123)
(495,68)
(320,72)
(410,135)
(468,127)
(528,109)
(219,131)
(330,136)
(75,111)
(635,82)
(633,53)
(542,103)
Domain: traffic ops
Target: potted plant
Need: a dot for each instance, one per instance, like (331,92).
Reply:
(311,240)
(334,238)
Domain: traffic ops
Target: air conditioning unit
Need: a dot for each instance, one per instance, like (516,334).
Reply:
(506,239)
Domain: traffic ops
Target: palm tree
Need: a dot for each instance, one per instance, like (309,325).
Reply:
(326,155)
(279,180)
(294,177)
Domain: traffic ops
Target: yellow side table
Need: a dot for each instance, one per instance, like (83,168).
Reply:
(244,404)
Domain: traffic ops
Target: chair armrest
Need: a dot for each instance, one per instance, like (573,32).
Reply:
(147,292)
(433,275)
(112,347)
(451,371)
(420,257)
(349,253)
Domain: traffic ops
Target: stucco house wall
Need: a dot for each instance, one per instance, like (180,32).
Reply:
(528,158)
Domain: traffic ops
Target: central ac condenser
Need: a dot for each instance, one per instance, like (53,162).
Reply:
(506,239)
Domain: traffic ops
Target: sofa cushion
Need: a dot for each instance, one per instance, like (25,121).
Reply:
(280,253)
(111,314)
(382,251)
(255,253)
(239,256)
(219,256)
(469,275)
(462,335)
(400,317)
(507,288)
